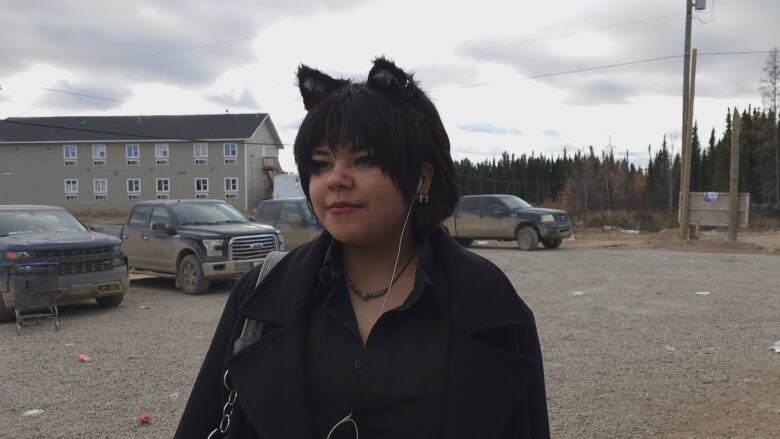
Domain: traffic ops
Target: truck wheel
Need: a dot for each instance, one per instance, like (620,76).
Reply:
(109,301)
(527,238)
(555,243)
(191,277)
(5,314)
(465,242)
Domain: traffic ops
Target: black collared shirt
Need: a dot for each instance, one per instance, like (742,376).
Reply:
(393,387)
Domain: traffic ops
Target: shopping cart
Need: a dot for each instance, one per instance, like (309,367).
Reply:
(35,292)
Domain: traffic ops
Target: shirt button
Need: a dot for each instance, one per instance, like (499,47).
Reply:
(357,364)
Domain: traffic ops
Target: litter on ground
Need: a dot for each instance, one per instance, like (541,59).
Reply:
(83,358)
(144,418)
(776,347)
(577,293)
(32,412)
(480,242)
(143,307)
(703,293)
(631,232)
(669,348)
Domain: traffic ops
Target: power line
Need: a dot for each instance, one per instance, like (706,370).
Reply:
(84,95)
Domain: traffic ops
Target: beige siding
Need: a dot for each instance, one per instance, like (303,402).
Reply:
(263,143)
(36,174)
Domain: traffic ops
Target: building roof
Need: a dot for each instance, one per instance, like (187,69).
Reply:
(130,128)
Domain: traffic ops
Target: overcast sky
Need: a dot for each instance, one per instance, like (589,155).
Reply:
(484,63)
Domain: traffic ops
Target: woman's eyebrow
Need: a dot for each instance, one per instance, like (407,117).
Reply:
(322,152)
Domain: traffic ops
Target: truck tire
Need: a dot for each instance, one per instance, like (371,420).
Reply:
(191,278)
(555,243)
(109,301)
(465,242)
(527,238)
(5,314)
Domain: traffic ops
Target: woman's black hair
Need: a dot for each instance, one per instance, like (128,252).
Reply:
(389,116)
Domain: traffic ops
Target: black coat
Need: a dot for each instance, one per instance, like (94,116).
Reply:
(495,381)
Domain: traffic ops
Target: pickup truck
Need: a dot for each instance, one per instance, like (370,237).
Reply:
(507,218)
(292,216)
(194,242)
(90,265)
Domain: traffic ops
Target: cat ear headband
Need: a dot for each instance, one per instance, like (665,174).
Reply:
(385,75)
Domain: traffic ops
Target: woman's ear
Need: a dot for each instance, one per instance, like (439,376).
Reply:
(426,176)
(386,75)
(315,85)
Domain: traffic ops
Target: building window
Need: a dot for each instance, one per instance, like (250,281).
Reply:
(231,195)
(201,185)
(163,185)
(133,185)
(134,197)
(231,152)
(231,184)
(98,152)
(100,185)
(71,189)
(133,151)
(163,196)
(161,151)
(70,152)
(133,154)
(201,150)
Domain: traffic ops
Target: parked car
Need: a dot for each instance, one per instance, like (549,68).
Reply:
(195,241)
(90,265)
(507,218)
(292,216)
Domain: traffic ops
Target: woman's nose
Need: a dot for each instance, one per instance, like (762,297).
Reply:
(339,177)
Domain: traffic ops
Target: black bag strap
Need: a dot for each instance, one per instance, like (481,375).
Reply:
(249,334)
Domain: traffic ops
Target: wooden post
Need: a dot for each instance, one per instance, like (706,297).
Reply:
(686,99)
(685,201)
(734,177)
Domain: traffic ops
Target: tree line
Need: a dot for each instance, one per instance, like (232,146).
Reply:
(600,181)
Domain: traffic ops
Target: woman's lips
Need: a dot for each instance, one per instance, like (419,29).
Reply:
(342,208)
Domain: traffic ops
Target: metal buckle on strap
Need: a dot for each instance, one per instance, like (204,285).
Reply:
(227,410)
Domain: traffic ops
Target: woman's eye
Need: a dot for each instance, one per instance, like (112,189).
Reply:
(366,161)
(319,166)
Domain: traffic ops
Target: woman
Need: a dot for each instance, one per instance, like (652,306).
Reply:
(383,326)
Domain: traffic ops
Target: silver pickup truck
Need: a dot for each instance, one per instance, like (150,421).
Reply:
(507,218)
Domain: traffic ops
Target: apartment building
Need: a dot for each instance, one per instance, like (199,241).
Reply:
(102,162)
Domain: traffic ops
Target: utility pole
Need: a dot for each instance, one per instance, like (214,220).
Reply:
(685,171)
(734,178)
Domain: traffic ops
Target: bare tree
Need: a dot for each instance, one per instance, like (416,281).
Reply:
(769,94)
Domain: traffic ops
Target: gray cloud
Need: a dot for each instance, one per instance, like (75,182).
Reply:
(65,95)
(648,37)
(550,133)
(490,129)
(177,41)
(234,99)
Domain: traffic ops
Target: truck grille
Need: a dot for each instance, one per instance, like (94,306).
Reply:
(77,261)
(251,247)
(561,217)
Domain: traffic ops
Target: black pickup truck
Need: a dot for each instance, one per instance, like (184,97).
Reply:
(90,265)
(195,241)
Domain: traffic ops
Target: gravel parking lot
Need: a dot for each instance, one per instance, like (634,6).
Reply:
(630,349)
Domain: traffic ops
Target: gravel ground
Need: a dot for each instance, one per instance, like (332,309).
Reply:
(630,349)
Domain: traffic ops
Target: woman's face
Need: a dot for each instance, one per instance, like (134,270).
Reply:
(354,199)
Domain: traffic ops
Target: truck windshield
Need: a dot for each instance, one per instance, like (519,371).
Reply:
(513,202)
(37,221)
(207,214)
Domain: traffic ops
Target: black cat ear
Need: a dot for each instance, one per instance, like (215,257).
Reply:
(315,85)
(385,74)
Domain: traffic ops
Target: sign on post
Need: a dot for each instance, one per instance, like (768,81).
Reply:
(712,209)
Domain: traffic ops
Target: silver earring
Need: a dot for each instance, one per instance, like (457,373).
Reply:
(422,198)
